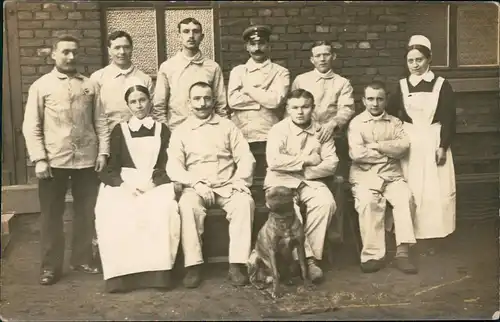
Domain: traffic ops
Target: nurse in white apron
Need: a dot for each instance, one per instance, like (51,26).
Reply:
(137,219)
(426,104)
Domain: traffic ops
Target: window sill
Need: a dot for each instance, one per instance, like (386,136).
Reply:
(467,72)
(479,84)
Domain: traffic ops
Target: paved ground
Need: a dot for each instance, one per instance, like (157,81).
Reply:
(461,282)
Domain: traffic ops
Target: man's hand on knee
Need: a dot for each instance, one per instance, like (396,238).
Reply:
(205,192)
(241,187)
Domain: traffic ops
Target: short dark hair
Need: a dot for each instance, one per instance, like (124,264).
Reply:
(186,21)
(65,37)
(119,34)
(424,50)
(300,93)
(322,43)
(375,85)
(138,88)
(199,84)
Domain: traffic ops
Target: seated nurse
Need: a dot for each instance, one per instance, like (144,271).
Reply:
(137,218)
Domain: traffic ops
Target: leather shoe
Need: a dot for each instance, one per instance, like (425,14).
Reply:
(236,276)
(85,268)
(405,265)
(315,272)
(48,277)
(193,277)
(372,266)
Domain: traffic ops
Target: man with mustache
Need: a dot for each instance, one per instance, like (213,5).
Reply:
(211,158)
(177,74)
(256,91)
(66,136)
(116,77)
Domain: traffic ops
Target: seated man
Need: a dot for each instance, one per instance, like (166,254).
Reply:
(211,158)
(296,159)
(376,143)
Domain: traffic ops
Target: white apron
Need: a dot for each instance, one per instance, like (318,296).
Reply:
(137,234)
(433,186)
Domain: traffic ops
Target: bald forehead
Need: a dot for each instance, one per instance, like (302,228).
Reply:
(321,49)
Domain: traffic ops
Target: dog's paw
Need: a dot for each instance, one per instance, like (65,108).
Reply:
(259,286)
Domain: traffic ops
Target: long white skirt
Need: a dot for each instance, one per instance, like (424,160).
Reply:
(433,186)
(137,234)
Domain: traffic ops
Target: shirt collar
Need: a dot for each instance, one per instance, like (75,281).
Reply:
(117,71)
(297,130)
(135,124)
(199,58)
(367,117)
(64,76)
(428,76)
(328,75)
(252,65)
(195,122)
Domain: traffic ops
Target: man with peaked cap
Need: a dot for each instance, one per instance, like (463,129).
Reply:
(256,91)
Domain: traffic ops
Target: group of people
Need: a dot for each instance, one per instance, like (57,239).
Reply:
(146,162)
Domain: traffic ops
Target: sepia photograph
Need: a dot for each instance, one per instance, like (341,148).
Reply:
(250,160)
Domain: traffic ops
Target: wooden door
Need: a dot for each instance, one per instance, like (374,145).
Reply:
(8,149)
(13,151)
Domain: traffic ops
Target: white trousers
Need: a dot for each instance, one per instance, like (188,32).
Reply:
(371,206)
(320,207)
(239,210)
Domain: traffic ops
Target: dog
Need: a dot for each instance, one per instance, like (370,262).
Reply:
(282,233)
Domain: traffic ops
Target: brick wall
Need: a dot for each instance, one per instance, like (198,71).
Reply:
(369,39)
(39,23)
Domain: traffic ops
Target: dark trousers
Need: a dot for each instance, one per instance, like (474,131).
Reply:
(84,187)
(258,150)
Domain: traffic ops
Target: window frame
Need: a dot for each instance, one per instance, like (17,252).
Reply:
(453,66)
(160,7)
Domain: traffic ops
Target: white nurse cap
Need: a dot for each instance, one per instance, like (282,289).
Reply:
(420,40)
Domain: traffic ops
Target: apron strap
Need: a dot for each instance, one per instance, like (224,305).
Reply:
(437,85)
(128,138)
(158,130)
(404,90)
(435,94)
(157,140)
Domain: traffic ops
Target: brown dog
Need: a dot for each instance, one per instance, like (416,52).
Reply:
(281,234)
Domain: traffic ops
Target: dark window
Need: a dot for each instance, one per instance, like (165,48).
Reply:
(462,35)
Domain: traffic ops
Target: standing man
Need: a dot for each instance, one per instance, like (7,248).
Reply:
(177,74)
(66,136)
(256,90)
(117,77)
(332,92)
(377,142)
(211,158)
(299,161)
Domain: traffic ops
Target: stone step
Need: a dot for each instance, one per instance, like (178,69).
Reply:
(7,229)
